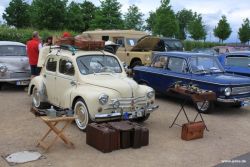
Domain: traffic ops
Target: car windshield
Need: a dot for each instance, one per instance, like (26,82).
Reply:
(173,44)
(238,61)
(205,64)
(98,64)
(11,50)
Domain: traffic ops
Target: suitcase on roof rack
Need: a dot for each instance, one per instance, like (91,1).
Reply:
(88,43)
(64,41)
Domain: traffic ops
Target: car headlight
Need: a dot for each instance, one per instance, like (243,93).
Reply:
(3,69)
(103,99)
(150,94)
(116,104)
(227,91)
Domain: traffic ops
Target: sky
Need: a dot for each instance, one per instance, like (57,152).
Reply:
(211,11)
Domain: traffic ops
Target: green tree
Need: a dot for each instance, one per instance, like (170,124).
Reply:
(223,29)
(49,14)
(150,21)
(17,14)
(133,18)
(108,16)
(88,13)
(74,17)
(164,21)
(196,28)
(184,17)
(244,31)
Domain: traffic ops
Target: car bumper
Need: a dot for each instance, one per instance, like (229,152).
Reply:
(244,101)
(126,115)
(17,81)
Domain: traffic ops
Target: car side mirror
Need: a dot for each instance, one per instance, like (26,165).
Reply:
(248,65)
(68,66)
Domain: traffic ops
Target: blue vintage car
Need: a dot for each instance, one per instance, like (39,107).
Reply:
(203,70)
(236,62)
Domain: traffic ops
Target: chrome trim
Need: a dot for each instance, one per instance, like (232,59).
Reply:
(240,90)
(234,100)
(14,79)
(132,114)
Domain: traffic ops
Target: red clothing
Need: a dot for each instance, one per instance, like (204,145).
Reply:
(33,50)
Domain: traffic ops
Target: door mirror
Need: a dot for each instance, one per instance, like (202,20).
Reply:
(68,66)
(248,65)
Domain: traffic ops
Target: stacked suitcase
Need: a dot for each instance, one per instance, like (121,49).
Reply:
(111,136)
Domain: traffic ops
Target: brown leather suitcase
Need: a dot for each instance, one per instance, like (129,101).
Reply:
(192,130)
(144,136)
(64,41)
(140,135)
(88,43)
(125,133)
(100,137)
(115,137)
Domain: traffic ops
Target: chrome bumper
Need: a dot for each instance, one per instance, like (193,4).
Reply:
(244,101)
(127,115)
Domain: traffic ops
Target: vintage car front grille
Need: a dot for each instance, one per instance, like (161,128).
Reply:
(20,75)
(131,102)
(240,90)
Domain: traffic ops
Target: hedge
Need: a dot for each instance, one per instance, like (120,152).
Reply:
(23,35)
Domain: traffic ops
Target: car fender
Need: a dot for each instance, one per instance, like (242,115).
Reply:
(39,84)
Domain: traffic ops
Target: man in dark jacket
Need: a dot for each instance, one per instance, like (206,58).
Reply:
(33,47)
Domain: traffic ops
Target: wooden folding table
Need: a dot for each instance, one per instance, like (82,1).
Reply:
(52,122)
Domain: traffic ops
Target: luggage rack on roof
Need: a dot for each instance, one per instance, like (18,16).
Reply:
(71,48)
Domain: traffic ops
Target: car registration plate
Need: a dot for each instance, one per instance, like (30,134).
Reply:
(245,103)
(139,114)
(22,82)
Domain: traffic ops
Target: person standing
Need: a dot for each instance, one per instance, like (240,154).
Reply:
(33,47)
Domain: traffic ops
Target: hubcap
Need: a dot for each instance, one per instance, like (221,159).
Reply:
(81,113)
(203,106)
(36,98)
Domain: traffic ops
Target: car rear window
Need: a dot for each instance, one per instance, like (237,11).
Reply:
(11,50)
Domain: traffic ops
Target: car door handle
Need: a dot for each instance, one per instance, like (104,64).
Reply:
(73,83)
(44,76)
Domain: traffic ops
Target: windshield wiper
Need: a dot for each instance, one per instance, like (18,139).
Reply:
(202,70)
(84,65)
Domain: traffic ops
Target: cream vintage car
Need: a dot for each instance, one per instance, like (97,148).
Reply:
(93,84)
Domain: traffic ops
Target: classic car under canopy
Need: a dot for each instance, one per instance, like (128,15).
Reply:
(202,70)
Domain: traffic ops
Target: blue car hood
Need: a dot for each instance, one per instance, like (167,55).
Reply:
(223,79)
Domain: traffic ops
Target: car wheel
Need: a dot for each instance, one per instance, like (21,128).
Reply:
(204,107)
(142,119)
(136,63)
(36,100)
(82,115)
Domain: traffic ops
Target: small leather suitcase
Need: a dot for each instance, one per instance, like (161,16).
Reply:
(192,130)
(115,137)
(65,41)
(140,135)
(125,133)
(144,136)
(136,137)
(88,43)
(100,137)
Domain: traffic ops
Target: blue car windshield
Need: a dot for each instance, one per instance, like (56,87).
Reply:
(238,61)
(205,64)
(98,64)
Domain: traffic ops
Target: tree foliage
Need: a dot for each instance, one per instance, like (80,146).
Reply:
(50,14)
(184,17)
(88,13)
(108,16)
(17,14)
(133,18)
(223,29)
(196,28)
(163,21)
(74,17)
(244,31)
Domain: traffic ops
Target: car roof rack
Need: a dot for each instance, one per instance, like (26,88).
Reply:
(65,47)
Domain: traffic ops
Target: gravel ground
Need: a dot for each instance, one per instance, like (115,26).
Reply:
(229,137)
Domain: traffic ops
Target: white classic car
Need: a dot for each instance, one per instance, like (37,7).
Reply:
(93,84)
